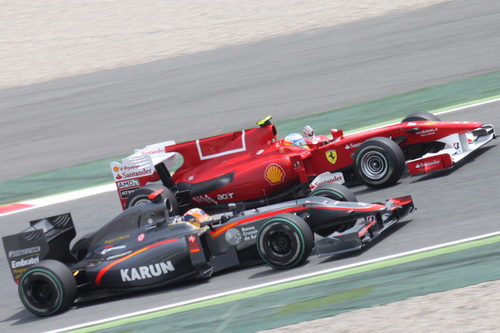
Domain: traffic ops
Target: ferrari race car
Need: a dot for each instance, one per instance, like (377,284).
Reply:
(146,247)
(252,166)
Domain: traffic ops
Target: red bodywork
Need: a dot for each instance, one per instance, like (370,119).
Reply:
(263,165)
(253,164)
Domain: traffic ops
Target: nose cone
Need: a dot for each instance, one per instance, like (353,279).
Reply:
(463,126)
(451,126)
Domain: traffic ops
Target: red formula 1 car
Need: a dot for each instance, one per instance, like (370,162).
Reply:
(254,167)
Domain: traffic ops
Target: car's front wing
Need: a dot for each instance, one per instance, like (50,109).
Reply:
(365,230)
(457,147)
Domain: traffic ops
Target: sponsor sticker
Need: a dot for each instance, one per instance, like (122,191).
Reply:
(274,174)
(128,183)
(146,272)
(193,244)
(24,262)
(370,218)
(352,145)
(140,238)
(119,255)
(427,164)
(326,178)
(127,192)
(22,252)
(116,239)
(426,132)
(114,248)
(331,156)
(225,196)
(204,199)
(233,236)
(131,171)
(249,233)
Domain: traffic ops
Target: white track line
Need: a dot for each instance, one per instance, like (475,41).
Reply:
(267,284)
(470,106)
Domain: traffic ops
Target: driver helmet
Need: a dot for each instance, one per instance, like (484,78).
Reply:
(295,139)
(195,216)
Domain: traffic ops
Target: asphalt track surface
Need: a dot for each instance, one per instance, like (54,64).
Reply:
(108,113)
(81,119)
(451,206)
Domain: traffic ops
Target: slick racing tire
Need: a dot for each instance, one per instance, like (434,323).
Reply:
(47,288)
(140,196)
(336,192)
(379,162)
(420,116)
(285,241)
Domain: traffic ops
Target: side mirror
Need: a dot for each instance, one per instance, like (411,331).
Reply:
(336,133)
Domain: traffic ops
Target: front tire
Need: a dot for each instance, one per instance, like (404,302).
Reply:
(285,241)
(379,162)
(47,288)
(420,116)
(140,196)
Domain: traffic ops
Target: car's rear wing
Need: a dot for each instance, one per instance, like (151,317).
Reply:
(47,238)
(146,165)
(156,162)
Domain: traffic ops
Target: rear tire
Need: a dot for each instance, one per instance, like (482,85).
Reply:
(47,288)
(140,196)
(285,241)
(420,116)
(379,162)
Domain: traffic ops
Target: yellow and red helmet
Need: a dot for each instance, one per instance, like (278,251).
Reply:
(195,216)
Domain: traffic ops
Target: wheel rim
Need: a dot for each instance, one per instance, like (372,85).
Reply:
(279,243)
(141,201)
(374,165)
(40,292)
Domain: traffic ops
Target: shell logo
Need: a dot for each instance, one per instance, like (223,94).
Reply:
(274,174)
(115,169)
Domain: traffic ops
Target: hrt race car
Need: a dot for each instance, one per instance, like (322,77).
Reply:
(145,247)
(252,166)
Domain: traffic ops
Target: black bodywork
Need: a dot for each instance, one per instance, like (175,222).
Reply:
(143,247)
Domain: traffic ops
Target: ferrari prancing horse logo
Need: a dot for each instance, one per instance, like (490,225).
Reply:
(331,156)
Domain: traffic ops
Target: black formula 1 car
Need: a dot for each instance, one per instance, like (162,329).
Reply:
(144,247)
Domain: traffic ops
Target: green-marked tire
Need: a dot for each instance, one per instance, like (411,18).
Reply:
(47,288)
(285,241)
